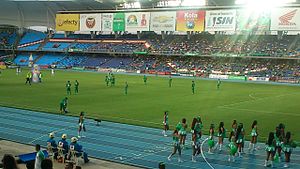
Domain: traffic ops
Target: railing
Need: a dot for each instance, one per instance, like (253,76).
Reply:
(161,53)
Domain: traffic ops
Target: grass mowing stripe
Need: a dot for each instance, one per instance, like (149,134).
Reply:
(144,105)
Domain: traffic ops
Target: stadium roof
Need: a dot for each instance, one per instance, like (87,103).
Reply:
(25,13)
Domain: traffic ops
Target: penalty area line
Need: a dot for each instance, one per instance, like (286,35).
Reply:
(204,156)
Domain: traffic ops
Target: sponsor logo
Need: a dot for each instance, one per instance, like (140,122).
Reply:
(190,20)
(90,22)
(67,22)
(163,19)
(285,20)
(104,16)
(132,20)
(189,16)
(222,20)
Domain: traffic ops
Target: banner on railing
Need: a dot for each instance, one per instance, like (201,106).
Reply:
(192,20)
(119,22)
(220,20)
(107,22)
(163,21)
(90,22)
(67,22)
(216,76)
(285,19)
(264,79)
(233,77)
(137,21)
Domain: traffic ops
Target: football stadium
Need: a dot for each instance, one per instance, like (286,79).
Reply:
(167,84)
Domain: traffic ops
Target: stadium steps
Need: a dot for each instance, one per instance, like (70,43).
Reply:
(18,38)
(43,44)
(38,58)
(106,61)
(293,45)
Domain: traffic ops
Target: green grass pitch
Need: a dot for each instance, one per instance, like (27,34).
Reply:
(144,105)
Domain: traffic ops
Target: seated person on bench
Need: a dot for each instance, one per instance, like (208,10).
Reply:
(78,148)
(64,144)
(51,142)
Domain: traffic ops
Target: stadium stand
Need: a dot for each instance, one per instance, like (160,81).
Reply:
(23,59)
(51,46)
(7,38)
(119,63)
(234,53)
(95,61)
(49,59)
(32,36)
(71,61)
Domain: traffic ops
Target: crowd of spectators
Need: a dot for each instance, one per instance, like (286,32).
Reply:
(198,44)
(208,65)
(220,45)
(7,38)
(229,45)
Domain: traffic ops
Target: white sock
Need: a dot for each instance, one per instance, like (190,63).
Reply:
(216,145)
(271,163)
(179,159)
(250,145)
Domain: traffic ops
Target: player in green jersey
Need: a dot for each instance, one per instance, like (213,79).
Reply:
(126,88)
(170,81)
(193,87)
(145,79)
(112,80)
(218,84)
(76,84)
(63,105)
(68,87)
(107,80)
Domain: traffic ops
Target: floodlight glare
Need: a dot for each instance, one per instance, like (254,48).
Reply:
(266,2)
(258,6)
(132,5)
(193,3)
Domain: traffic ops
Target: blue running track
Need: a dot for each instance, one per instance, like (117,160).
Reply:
(122,143)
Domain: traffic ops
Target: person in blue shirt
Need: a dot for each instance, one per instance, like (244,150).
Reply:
(52,141)
(63,143)
(78,148)
(53,144)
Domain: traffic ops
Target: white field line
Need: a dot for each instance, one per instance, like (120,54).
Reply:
(204,156)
